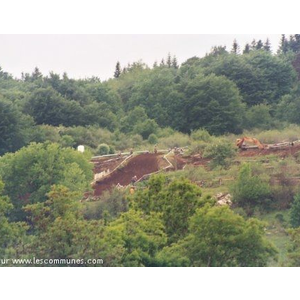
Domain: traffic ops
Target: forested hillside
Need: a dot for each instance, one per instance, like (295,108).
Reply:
(205,104)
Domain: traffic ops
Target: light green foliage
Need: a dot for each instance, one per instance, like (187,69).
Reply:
(295,212)
(250,190)
(61,232)
(219,238)
(103,149)
(258,116)
(152,139)
(11,233)
(35,168)
(177,201)
(175,139)
(143,236)
(201,135)
(294,247)
(112,203)
(288,107)
(221,153)
(67,141)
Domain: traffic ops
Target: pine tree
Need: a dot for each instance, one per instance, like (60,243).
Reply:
(267,45)
(253,45)
(246,49)
(36,74)
(155,64)
(162,63)
(283,48)
(259,45)
(235,47)
(117,70)
(169,60)
(174,62)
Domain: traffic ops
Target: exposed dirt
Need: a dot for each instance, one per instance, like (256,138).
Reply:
(101,165)
(198,160)
(137,166)
(283,152)
(149,163)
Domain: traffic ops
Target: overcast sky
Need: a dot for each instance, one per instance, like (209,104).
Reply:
(96,55)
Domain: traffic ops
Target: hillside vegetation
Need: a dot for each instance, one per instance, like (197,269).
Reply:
(173,218)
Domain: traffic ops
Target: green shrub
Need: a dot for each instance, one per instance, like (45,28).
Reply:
(103,149)
(67,141)
(201,135)
(295,212)
(250,190)
(152,139)
(221,153)
(175,140)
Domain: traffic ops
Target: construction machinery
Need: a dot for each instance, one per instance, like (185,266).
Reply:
(241,143)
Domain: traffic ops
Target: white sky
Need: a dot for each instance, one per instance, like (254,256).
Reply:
(96,55)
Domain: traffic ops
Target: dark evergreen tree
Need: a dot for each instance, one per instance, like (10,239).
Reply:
(246,49)
(169,61)
(162,63)
(36,74)
(253,44)
(283,48)
(118,70)
(259,45)
(235,47)
(218,50)
(174,62)
(267,45)
(155,64)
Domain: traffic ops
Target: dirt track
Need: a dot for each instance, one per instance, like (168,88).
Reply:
(137,166)
(279,152)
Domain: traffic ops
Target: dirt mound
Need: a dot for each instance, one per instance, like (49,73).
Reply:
(137,166)
(281,152)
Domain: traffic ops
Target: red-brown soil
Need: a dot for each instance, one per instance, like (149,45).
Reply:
(147,163)
(283,152)
(137,166)
(104,164)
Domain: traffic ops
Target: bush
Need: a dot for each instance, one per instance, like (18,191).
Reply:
(221,153)
(111,204)
(175,140)
(295,212)
(146,128)
(152,139)
(201,135)
(258,116)
(103,149)
(67,141)
(250,190)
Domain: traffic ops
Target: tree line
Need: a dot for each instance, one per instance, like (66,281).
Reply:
(223,92)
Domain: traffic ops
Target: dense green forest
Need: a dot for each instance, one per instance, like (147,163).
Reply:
(205,104)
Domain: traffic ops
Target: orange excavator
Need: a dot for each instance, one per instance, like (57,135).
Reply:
(241,142)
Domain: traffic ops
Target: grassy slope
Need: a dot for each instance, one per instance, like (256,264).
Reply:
(275,232)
